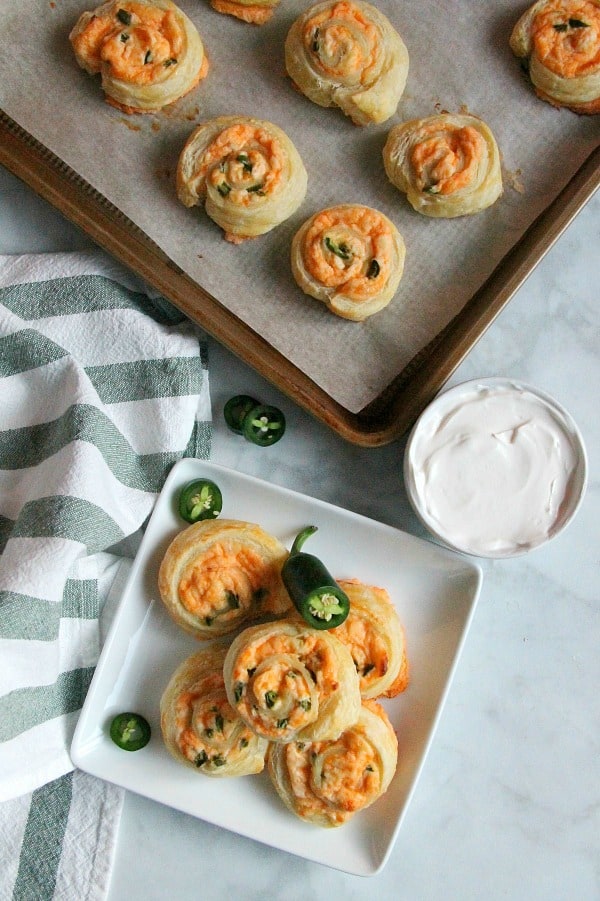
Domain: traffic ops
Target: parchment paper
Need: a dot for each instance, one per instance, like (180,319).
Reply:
(459,59)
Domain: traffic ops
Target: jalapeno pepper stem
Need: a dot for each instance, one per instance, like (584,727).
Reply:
(314,592)
(301,538)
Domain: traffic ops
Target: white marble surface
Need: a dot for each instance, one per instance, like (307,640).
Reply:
(508,803)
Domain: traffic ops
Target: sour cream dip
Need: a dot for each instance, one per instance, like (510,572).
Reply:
(494,468)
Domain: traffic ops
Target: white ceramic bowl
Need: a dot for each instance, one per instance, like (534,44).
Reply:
(494,467)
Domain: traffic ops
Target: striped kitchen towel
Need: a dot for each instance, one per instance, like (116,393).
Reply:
(103,387)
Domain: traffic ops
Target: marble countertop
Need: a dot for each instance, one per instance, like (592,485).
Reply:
(508,803)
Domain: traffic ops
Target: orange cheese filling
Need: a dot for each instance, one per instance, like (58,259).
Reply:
(566,38)
(243,162)
(224,581)
(206,722)
(308,649)
(138,43)
(336,778)
(342,42)
(350,250)
(254,14)
(445,162)
(367,647)
(282,681)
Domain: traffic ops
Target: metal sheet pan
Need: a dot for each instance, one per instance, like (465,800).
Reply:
(397,407)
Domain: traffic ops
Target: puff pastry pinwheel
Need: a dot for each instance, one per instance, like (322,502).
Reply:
(247,173)
(348,54)
(351,258)
(255,12)
(326,782)
(148,52)
(559,40)
(447,165)
(288,681)
(217,575)
(375,637)
(199,726)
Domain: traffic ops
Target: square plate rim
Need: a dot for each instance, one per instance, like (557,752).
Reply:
(84,760)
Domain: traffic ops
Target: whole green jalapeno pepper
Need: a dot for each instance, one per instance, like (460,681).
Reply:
(315,593)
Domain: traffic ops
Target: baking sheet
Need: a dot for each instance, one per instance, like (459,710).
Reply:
(458,59)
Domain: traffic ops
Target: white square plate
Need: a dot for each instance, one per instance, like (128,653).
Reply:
(434,590)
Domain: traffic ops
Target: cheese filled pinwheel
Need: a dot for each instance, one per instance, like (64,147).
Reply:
(348,54)
(216,575)
(447,165)
(326,782)
(147,52)
(374,636)
(200,728)
(288,681)
(245,171)
(559,41)
(255,12)
(351,258)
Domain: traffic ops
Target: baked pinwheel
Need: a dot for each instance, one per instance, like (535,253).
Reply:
(217,575)
(255,12)
(327,782)
(147,52)
(559,41)
(245,171)
(199,726)
(351,258)
(447,165)
(375,637)
(348,54)
(288,681)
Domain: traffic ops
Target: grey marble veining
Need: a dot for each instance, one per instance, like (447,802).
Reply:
(508,802)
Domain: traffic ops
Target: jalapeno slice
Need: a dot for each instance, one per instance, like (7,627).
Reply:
(263,425)
(315,593)
(130,731)
(200,499)
(235,411)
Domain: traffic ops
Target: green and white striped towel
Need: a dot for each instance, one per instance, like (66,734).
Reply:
(102,389)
